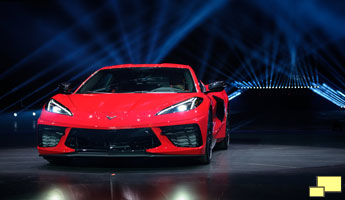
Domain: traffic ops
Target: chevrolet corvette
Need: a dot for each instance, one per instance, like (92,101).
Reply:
(135,110)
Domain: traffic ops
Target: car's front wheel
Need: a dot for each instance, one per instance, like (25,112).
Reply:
(226,142)
(206,158)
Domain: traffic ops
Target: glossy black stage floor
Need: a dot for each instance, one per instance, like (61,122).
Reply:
(258,165)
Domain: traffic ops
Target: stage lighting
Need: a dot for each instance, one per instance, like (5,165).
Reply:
(15,114)
(233,95)
(329,94)
(33,114)
(340,93)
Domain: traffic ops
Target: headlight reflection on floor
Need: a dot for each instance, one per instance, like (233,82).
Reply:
(184,193)
(54,194)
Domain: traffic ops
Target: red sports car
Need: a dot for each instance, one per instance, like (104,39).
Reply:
(136,110)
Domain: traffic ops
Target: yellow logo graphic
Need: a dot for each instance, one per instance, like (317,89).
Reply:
(325,184)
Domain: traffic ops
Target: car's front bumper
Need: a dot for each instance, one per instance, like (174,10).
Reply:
(165,148)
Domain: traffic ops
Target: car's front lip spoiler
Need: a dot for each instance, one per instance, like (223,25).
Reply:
(114,155)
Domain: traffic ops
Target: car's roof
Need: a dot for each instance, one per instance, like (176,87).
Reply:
(171,65)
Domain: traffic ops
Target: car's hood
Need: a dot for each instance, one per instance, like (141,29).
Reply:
(119,110)
(118,104)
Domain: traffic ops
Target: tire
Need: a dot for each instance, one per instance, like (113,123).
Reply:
(58,161)
(225,143)
(207,157)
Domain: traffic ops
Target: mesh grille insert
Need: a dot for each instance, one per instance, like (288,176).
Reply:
(49,136)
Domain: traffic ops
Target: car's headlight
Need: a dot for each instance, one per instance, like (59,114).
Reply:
(183,106)
(55,107)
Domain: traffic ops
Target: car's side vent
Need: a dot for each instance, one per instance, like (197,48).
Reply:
(49,136)
(220,108)
(183,135)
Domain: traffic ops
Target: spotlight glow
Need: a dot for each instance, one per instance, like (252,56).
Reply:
(15,114)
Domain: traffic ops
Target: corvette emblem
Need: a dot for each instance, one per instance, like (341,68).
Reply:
(110,118)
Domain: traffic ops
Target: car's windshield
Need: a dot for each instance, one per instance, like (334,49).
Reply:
(140,80)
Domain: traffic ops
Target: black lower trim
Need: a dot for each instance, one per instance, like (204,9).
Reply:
(112,141)
(112,155)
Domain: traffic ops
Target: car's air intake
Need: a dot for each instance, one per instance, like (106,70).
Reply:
(49,136)
(183,135)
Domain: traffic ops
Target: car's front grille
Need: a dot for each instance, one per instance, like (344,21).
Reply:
(121,140)
(183,135)
(49,136)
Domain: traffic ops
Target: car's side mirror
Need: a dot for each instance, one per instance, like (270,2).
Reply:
(216,86)
(64,88)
